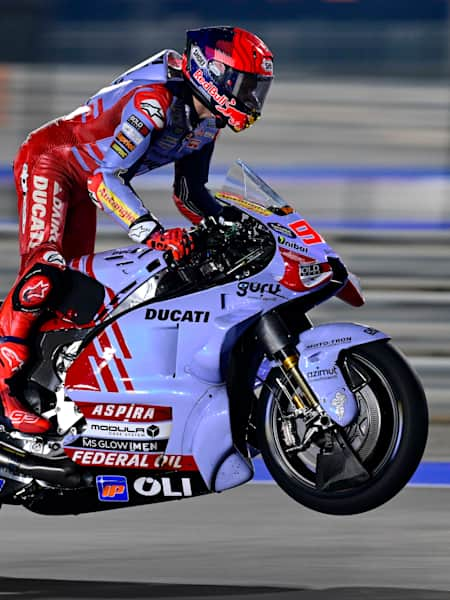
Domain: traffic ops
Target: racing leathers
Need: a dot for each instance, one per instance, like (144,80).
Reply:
(143,120)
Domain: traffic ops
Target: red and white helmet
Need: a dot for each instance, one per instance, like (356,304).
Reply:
(229,70)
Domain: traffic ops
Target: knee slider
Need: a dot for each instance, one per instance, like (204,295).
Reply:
(37,287)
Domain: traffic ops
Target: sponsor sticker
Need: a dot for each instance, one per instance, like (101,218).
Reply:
(149,486)
(338,404)
(107,198)
(245,204)
(212,90)
(322,373)
(2,484)
(310,270)
(119,150)
(292,245)
(125,412)
(267,65)
(126,431)
(127,143)
(41,196)
(132,133)
(328,343)
(127,460)
(112,488)
(112,430)
(282,230)
(141,127)
(254,287)
(94,443)
(199,57)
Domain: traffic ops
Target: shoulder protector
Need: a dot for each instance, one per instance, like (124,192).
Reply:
(159,68)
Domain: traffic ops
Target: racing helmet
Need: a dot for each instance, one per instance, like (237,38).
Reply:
(229,70)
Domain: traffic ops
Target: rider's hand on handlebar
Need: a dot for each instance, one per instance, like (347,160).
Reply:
(177,241)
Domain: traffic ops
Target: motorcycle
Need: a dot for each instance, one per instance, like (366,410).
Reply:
(164,380)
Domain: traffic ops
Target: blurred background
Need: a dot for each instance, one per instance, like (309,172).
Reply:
(355,134)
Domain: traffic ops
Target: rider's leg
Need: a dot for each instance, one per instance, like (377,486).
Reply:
(43,197)
(81,224)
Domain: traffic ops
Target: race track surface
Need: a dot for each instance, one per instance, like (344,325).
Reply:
(252,542)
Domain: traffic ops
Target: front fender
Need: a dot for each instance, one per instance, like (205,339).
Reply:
(319,349)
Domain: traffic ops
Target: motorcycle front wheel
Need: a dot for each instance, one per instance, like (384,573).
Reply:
(388,436)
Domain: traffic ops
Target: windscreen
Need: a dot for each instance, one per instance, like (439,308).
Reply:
(243,183)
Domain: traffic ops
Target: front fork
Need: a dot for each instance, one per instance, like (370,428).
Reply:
(280,345)
(337,465)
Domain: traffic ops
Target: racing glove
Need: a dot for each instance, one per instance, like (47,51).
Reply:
(141,230)
(177,241)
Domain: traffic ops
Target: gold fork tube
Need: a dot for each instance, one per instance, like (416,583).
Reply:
(290,366)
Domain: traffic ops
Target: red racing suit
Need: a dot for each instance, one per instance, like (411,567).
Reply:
(143,120)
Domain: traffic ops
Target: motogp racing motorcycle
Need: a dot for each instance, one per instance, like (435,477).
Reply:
(165,380)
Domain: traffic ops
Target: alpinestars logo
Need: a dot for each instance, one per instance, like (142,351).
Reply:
(11,358)
(54,258)
(154,110)
(36,292)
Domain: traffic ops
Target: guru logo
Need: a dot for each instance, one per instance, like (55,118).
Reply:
(254,287)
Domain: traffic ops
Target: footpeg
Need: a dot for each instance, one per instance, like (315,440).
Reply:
(57,471)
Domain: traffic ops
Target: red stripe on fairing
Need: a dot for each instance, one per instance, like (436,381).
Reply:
(125,378)
(104,369)
(124,374)
(117,332)
(90,266)
(100,106)
(81,375)
(122,343)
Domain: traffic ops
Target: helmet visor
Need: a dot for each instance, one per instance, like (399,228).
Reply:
(251,90)
(248,89)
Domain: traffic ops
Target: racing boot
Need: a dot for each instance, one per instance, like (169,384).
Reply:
(13,354)
(19,312)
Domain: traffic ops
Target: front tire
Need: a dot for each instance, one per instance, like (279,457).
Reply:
(388,436)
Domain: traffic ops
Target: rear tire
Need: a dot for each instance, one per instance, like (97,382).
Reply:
(389,435)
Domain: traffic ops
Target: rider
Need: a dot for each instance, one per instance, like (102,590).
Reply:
(168,108)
